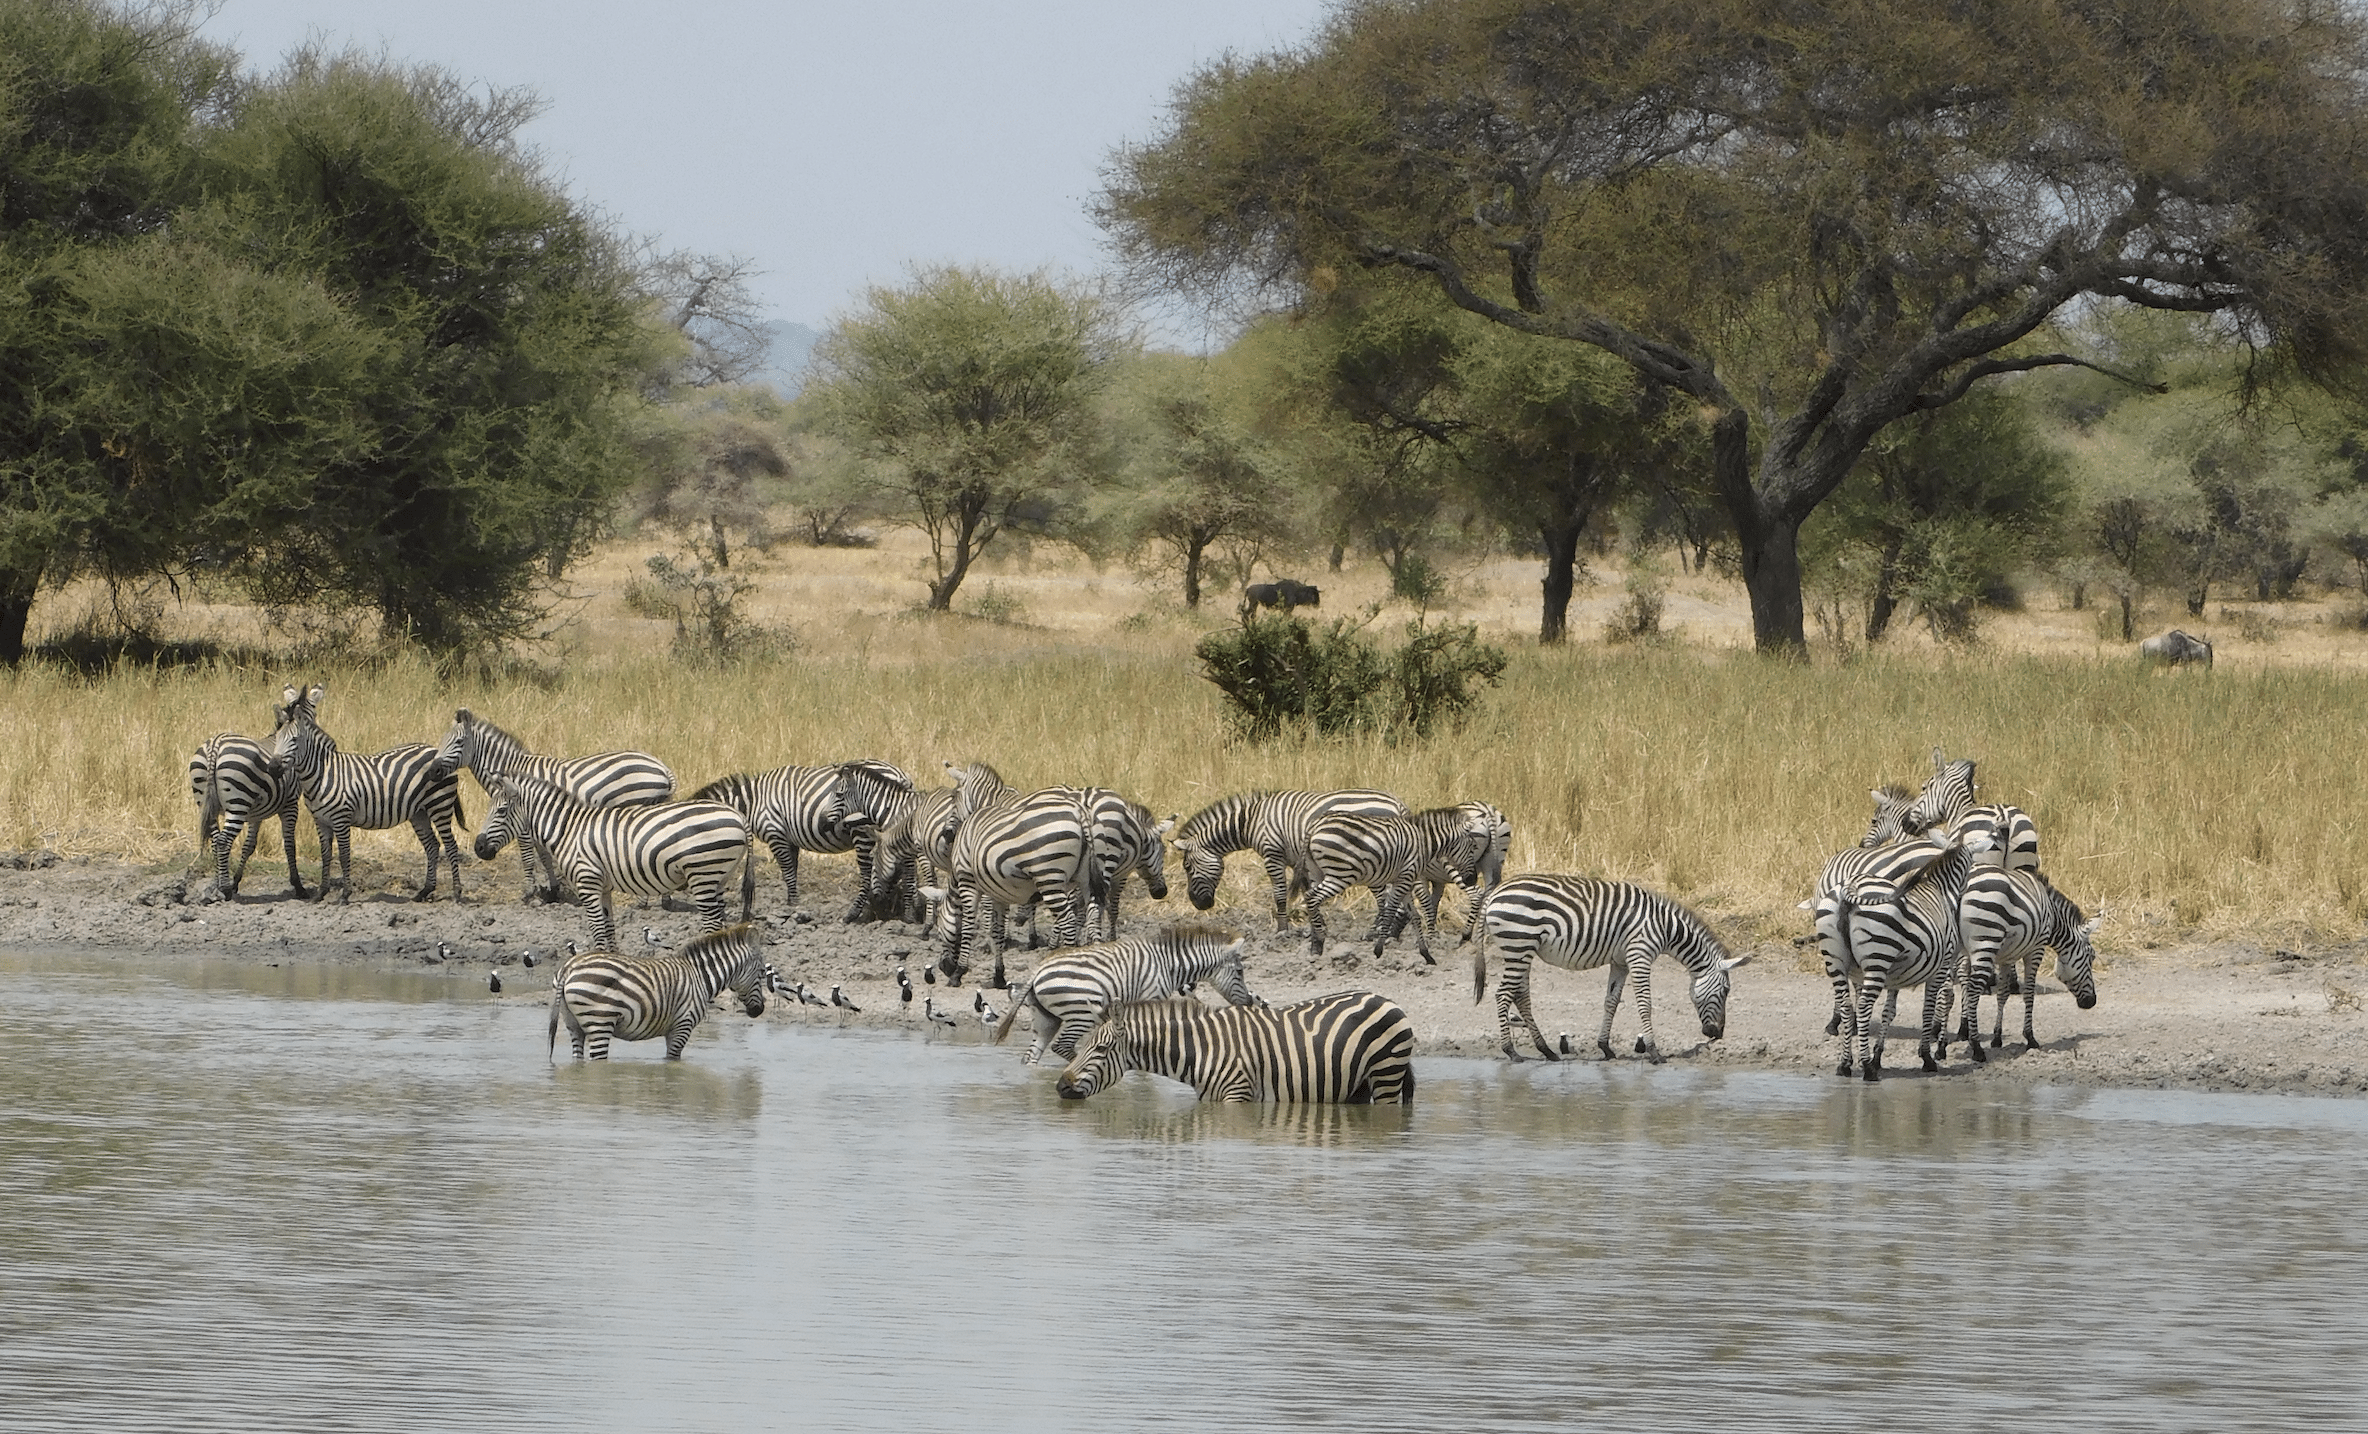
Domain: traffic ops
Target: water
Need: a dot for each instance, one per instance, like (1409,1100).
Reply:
(254,1199)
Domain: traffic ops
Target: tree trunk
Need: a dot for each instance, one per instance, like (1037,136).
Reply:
(1339,551)
(1878,614)
(1194,546)
(2079,596)
(2129,624)
(16,609)
(2196,598)
(1562,566)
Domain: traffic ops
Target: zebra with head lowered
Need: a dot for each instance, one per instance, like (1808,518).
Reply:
(2010,919)
(1355,1048)
(1069,993)
(1581,922)
(880,800)
(643,851)
(237,786)
(400,785)
(1010,850)
(608,997)
(1122,840)
(915,852)
(1273,824)
(799,809)
(1464,844)
(601,779)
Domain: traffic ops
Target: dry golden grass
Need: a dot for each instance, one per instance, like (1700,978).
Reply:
(2189,805)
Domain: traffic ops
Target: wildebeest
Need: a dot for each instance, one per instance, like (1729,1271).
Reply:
(2175,649)
(1283,593)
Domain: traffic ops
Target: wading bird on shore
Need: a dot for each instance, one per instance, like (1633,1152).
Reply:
(936,1016)
(839,998)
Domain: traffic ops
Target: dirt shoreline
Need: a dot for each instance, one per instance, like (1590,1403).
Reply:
(2203,1016)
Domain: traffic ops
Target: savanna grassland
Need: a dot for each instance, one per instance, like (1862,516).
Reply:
(2189,805)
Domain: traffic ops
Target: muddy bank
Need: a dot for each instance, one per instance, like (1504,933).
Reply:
(2222,1016)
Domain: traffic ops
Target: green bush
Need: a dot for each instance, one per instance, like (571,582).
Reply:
(1280,674)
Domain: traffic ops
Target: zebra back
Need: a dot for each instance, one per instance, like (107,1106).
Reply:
(975,786)
(1354,1048)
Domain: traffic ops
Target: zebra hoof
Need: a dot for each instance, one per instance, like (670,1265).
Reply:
(1844,1070)
(1872,1073)
(1980,1056)
(1834,1028)
(1510,1053)
(1606,1048)
(1640,1047)
(1997,1042)
(1930,1065)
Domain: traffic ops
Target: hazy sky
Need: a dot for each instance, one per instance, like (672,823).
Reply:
(835,144)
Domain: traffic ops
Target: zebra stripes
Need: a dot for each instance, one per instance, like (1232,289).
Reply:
(608,997)
(1464,844)
(643,851)
(2009,919)
(1069,993)
(1890,931)
(405,784)
(1122,840)
(916,852)
(1948,800)
(878,799)
(1581,922)
(1273,824)
(1380,853)
(1354,1048)
(801,809)
(1010,850)
(237,785)
(601,779)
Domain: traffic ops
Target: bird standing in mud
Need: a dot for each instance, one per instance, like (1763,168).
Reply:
(528,956)
(936,1016)
(493,982)
(987,1015)
(650,935)
(904,986)
(839,998)
(444,952)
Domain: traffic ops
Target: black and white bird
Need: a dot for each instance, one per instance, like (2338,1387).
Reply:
(987,1015)
(528,957)
(808,997)
(650,934)
(904,986)
(1566,1047)
(493,982)
(839,998)
(444,952)
(936,1016)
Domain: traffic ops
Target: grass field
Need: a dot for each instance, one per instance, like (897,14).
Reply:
(2186,804)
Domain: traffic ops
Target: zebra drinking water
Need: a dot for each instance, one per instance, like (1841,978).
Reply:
(1072,991)
(1355,1048)
(400,785)
(643,851)
(600,779)
(608,997)
(237,785)
(1581,922)
(1273,824)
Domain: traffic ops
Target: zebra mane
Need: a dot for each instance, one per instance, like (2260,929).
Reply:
(1185,933)
(722,789)
(536,791)
(480,729)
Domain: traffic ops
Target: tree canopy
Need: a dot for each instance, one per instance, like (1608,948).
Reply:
(1812,221)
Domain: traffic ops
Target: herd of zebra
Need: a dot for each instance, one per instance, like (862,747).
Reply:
(967,859)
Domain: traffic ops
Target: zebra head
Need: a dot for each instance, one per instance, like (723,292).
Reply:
(298,744)
(2076,957)
(1227,977)
(1889,823)
(1710,994)
(1101,1059)
(1204,866)
(501,819)
(460,744)
(1948,794)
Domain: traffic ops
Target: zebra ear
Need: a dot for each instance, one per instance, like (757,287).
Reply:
(313,698)
(463,717)
(2089,927)
(1165,827)
(1732,963)
(1809,905)
(288,695)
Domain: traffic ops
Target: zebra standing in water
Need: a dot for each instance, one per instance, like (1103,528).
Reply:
(795,809)
(1355,1048)
(2009,919)
(400,785)
(607,997)
(1010,850)
(1579,923)
(602,779)
(237,785)
(642,851)
(1069,993)
(1274,825)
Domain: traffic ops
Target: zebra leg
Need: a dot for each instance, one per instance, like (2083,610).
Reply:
(1938,994)
(1640,976)
(1278,871)
(1071,1029)
(254,832)
(1317,895)
(2030,1002)
(594,900)
(345,863)
(596,1038)
(218,846)
(451,851)
(426,833)
(787,855)
(1873,1068)
(680,1036)
(709,900)
(288,841)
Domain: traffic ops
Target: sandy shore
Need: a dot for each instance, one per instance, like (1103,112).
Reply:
(2221,1016)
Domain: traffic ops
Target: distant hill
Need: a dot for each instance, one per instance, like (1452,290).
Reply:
(785,365)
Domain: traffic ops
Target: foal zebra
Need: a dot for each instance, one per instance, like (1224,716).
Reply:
(1010,850)
(879,799)
(384,789)
(642,851)
(916,852)
(1072,991)
(1355,1048)
(1581,922)
(602,779)
(1273,824)
(237,785)
(2010,919)
(608,997)
(794,809)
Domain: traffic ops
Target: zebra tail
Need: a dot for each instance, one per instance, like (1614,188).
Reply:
(1480,971)
(1018,999)
(551,1040)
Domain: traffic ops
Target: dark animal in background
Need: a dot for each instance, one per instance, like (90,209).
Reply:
(2175,649)
(1283,593)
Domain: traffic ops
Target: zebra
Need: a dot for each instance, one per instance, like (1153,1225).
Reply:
(1069,993)
(794,809)
(385,789)
(602,779)
(1381,854)
(236,785)
(1896,929)
(643,851)
(916,851)
(608,997)
(1354,1048)
(2009,919)
(1581,922)
(1273,824)
(1948,800)
(1465,844)
(1123,840)
(878,799)
(1010,850)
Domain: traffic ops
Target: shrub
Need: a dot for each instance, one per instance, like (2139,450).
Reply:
(703,602)
(1416,581)
(1280,673)
(1435,673)
(1639,618)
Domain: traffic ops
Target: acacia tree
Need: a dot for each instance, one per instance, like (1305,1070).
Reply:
(1811,221)
(1201,479)
(970,390)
